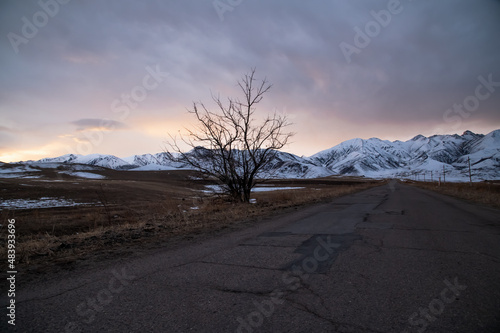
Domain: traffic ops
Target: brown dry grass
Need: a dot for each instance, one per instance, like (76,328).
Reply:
(487,193)
(121,228)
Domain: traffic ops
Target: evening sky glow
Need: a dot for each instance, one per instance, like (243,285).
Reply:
(115,77)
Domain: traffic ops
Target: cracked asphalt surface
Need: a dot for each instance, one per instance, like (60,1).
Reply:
(389,259)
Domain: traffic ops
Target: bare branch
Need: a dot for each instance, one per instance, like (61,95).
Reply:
(228,144)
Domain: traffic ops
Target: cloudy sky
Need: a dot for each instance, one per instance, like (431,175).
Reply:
(115,77)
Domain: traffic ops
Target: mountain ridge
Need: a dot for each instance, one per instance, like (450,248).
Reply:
(374,157)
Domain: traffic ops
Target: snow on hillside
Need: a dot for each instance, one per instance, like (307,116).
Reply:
(106,161)
(370,158)
(158,161)
(68,158)
(379,159)
(156,167)
(18,171)
(286,165)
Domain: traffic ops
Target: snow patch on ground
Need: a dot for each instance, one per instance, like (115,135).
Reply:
(88,175)
(220,189)
(44,202)
(267,189)
(213,189)
(18,172)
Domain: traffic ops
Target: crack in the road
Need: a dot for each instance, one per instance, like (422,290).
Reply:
(322,301)
(241,291)
(384,199)
(338,326)
(55,295)
(268,245)
(305,308)
(196,260)
(496,259)
(239,265)
(378,248)
(439,230)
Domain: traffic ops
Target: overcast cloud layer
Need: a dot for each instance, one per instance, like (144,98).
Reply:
(117,76)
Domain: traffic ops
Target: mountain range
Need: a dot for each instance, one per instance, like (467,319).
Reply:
(416,158)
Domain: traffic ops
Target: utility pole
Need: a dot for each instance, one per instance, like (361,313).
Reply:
(470,176)
(424,176)
(444,175)
(432,179)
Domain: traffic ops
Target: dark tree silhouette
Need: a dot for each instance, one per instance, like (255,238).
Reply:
(229,144)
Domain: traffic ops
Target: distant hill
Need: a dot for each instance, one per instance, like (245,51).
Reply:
(373,158)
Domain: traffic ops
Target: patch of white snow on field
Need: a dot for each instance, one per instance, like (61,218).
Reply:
(88,175)
(267,189)
(18,172)
(220,189)
(44,202)
(213,188)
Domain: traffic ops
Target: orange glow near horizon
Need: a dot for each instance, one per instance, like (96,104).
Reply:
(149,136)
(24,155)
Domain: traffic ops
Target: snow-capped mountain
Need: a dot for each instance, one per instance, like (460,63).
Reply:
(437,154)
(149,162)
(106,161)
(373,157)
(286,165)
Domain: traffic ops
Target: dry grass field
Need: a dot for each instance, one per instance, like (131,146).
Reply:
(129,210)
(487,193)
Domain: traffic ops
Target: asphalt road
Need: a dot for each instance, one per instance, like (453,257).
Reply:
(390,259)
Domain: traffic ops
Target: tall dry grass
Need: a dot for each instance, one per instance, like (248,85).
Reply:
(487,193)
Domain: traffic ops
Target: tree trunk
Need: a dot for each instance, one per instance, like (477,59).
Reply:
(246,195)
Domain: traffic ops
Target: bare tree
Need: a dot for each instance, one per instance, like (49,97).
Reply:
(229,144)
